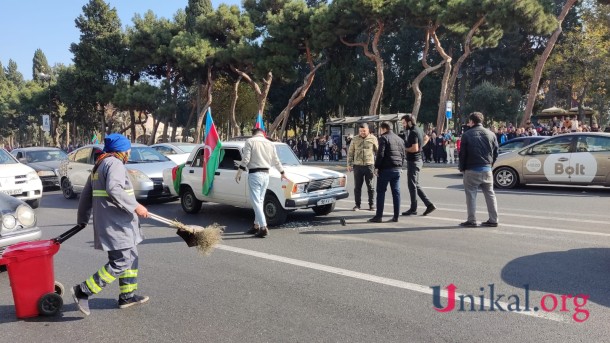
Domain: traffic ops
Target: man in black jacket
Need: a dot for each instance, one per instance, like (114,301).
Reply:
(478,154)
(388,167)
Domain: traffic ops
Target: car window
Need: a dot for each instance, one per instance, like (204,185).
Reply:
(198,161)
(71,156)
(512,145)
(82,155)
(146,154)
(593,144)
(286,155)
(6,158)
(228,161)
(556,145)
(45,155)
(163,150)
(187,148)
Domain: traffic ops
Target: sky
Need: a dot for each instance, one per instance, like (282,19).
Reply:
(27,25)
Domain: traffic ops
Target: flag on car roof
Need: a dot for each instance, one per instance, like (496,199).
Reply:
(212,153)
(260,124)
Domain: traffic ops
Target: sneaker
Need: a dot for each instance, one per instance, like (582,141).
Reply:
(356,208)
(372,208)
(468,224)
(410,213)
(81,299)
(429,209)
(262,233)
(374,220)
(136,299)
(489,224)
(394,219)
(252,231)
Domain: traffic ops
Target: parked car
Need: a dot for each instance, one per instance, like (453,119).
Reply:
(45,161)
(18,222)
(145,166)
(309,187)
(19,180)
(518,143)
(581,159)
(177,152)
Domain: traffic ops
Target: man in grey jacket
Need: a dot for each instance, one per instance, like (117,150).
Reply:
(109,194)
(478,153)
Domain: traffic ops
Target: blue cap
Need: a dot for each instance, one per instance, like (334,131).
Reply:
(115,142)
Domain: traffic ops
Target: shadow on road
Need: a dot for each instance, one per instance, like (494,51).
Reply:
(7,315)
(577,271)
(381,230)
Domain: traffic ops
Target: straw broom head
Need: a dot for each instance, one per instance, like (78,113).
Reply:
(206,237)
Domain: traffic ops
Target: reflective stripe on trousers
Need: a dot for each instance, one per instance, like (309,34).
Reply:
(122,264)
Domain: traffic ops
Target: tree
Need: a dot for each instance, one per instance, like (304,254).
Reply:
(40,65)
(194,10)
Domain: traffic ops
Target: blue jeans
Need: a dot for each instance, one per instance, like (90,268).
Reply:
(258,183)
(391,176)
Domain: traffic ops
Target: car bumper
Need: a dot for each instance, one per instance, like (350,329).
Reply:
(152,190)
(49,181)
(32,234)
(312,201)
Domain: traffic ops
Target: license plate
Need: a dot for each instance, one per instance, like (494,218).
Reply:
(326,201)
(12,191)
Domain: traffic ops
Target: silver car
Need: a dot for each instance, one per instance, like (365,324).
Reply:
(175,151)
(18,222)
(145,168)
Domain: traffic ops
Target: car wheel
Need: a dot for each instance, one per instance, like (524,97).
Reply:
(190,203)
(275,214)
(66,189)
(34,203)
(324,209)
(505,178)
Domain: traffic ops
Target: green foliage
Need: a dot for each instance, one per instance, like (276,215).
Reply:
(194,10)
(40,65)
(495,102)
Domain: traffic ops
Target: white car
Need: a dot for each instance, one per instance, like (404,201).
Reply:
(19,180)
(177,152)
(309,187)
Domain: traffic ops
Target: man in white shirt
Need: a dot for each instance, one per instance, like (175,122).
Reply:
(259,155)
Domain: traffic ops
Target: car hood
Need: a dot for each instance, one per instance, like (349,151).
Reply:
(48,165)
(9,170)
(298,174)
(8,204)
(152,169)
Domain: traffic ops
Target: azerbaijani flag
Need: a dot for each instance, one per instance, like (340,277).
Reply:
(177,177)
(94,139)
(212,153)
(260,124)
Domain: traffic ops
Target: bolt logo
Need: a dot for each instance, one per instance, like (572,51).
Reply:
(575,167)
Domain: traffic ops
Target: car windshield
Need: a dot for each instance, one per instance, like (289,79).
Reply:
(45,156)
(187,148)
(286,155)
(6,158)
(145,154)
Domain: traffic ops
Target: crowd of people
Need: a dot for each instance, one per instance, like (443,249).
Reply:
(320,148)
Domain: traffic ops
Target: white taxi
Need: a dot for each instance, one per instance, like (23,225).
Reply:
(309,187)
(19,180)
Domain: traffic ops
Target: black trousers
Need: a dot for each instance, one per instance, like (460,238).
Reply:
(361,174)
(413,169)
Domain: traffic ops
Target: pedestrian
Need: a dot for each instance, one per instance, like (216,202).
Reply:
(439,149)
(108,195)
(259,155)
(450,147)
(361,159)
(388,167)
(478,154)
(413,146)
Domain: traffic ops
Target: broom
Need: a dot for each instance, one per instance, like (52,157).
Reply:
(204,238)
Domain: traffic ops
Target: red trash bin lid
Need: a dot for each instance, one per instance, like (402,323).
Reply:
(25,250)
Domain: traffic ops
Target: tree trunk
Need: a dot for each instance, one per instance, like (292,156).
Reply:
(375,56)
(531,97)
(261,95)
(175,114)
(208,86)
(427,70)
(440,118)
(187,128)
(153,133)
(233,121)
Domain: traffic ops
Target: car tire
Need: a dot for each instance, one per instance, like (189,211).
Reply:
(275,214)
(506,178)
(324,209)
(34,203)
(188,200)
(66,189)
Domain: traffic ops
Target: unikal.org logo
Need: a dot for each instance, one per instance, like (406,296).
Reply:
(489,300)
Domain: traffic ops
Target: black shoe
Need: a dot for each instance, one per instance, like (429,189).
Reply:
(429,209)
(469,224)
(252,231)
(409,213)
(394,219)
(489,224)
(374,220)
(372,208)
(81,299)
(356,208)
(262,232)
(135,300)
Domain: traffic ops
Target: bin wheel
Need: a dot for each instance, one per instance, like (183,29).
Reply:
(50,304)
(59,288)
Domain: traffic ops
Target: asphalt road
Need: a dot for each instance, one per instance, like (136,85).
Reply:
(314,280)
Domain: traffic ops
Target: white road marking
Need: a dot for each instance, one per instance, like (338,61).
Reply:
(380,280)
(516,192)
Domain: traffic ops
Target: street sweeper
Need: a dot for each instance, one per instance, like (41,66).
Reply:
(109,195)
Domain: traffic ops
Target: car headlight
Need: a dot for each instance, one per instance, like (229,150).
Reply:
(8,221)
(339,182)
(137,175)
(26,216)
(299,188)
(46,173)
(32,176)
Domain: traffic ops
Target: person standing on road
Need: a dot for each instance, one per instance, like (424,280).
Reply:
(413,146)
(388,167)
(478,154)
(109,195)
(259,155)
(361,159)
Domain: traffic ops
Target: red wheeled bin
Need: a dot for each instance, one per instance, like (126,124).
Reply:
(30,271)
